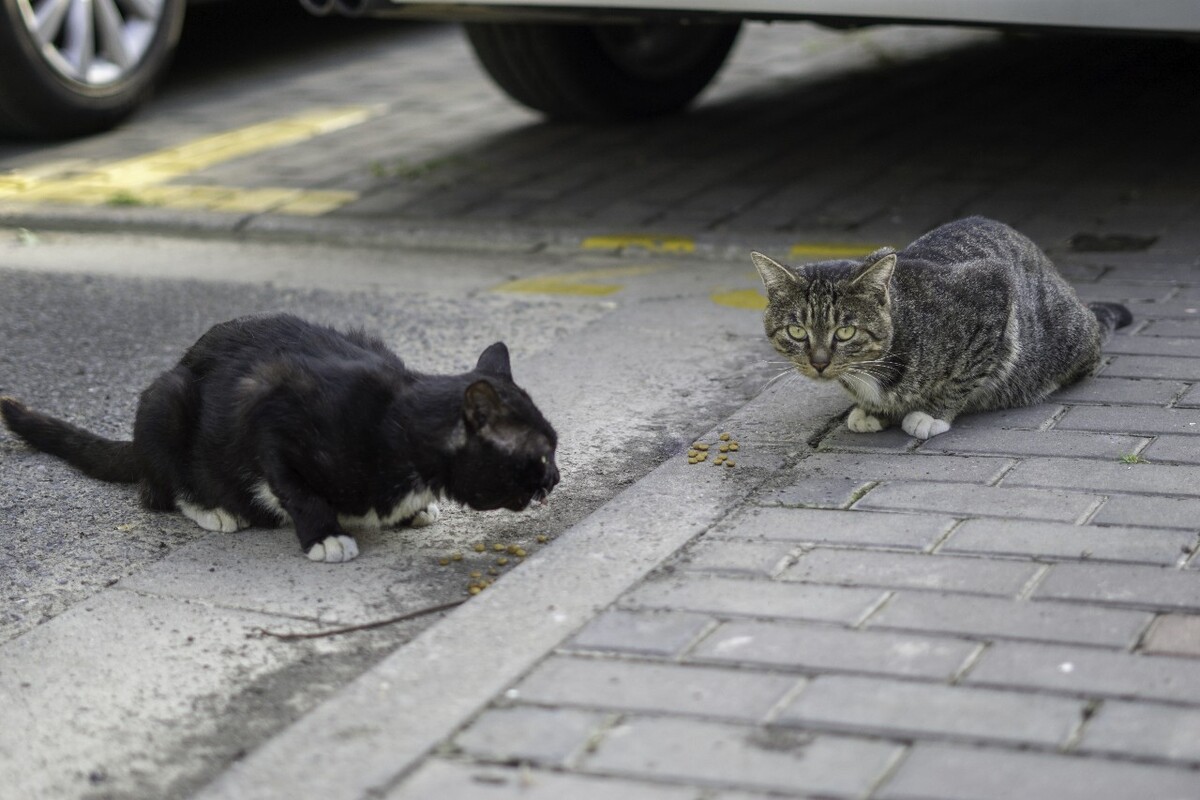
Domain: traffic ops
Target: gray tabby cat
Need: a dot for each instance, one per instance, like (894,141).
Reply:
(972,316)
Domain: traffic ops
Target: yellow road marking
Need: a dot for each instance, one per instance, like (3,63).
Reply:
(816,252)
(651,243)
(143,180)
(746,299)
(580,283)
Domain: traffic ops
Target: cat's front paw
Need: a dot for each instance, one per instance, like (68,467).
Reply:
(923,426)
(334,549)
(429,515)
(860,421)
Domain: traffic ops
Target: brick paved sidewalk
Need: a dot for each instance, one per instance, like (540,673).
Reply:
(1008,610)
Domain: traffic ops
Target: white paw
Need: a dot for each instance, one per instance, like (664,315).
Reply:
(860,421)
(425,517)
(334,549)
(213,519)
(923,426)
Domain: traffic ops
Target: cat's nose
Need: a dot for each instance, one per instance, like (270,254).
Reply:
(819,366)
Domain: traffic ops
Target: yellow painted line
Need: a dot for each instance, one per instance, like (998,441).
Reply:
(746,299)
(651,243)
(579,283)
(817,251)
(141,181)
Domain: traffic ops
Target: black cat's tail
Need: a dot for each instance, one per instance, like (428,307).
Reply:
(1111,316)
(99,458)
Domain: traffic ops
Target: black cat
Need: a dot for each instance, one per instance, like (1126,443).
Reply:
(272,418)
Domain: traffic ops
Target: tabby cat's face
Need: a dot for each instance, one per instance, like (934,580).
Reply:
(831,319)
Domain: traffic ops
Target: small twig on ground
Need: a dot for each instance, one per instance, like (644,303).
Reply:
(366,626)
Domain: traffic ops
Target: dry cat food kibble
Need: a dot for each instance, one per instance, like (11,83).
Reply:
(479,548)
(725,444)
(499,548)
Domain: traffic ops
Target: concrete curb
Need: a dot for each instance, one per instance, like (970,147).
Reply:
(358,231)
(378,728)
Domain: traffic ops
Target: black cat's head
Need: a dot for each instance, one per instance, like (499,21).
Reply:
(507,460)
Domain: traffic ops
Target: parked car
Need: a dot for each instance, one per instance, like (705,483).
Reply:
(70,67)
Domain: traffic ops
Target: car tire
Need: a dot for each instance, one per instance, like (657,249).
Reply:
(602,72)
(50,89)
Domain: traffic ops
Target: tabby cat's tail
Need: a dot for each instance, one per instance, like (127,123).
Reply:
(100,458)
(1111,316)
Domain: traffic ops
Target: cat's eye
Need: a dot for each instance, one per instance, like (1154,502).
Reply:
(544,460)
(796,332)
(845,333)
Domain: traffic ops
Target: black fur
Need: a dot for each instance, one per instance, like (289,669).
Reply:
(333,423)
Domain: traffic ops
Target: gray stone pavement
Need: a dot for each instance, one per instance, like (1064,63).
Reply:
(1010,610)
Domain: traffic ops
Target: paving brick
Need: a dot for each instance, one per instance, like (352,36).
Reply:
(1190,398)
(1106,476)
(828,526)
(1182,346)
(1162,367)
(1143,729)
(1170,327)
(742,756)
(985,441)
(1171,309)
(911,571)
(1087,671)
(658,633)
(1132,420)
(984,501)
(1122,391)
(1057,540)
(891,440)
(819,493)
(1177,449)
(758,598)
(906,709)
(448,780)
(1034,418)
(813,648)
(763,559)
(1134,586)
(953,772)
(540,735)
(735,694)
(882,467)
(1158,512)
(1174,634)
(995,618)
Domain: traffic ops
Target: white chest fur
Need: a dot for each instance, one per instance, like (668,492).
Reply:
(864,389)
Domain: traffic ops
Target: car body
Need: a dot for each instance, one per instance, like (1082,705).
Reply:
(71,67)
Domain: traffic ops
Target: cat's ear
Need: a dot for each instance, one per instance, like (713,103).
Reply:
(876,271)
(494,361)
(481,404)
(775,276)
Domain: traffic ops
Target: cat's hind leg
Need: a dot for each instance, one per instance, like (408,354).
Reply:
(425,517)
(922,425)
(213,519)
(162,438)
(861,421)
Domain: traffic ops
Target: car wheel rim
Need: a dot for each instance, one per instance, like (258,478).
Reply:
(92,42)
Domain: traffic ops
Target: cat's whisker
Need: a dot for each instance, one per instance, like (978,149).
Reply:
(782,374)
